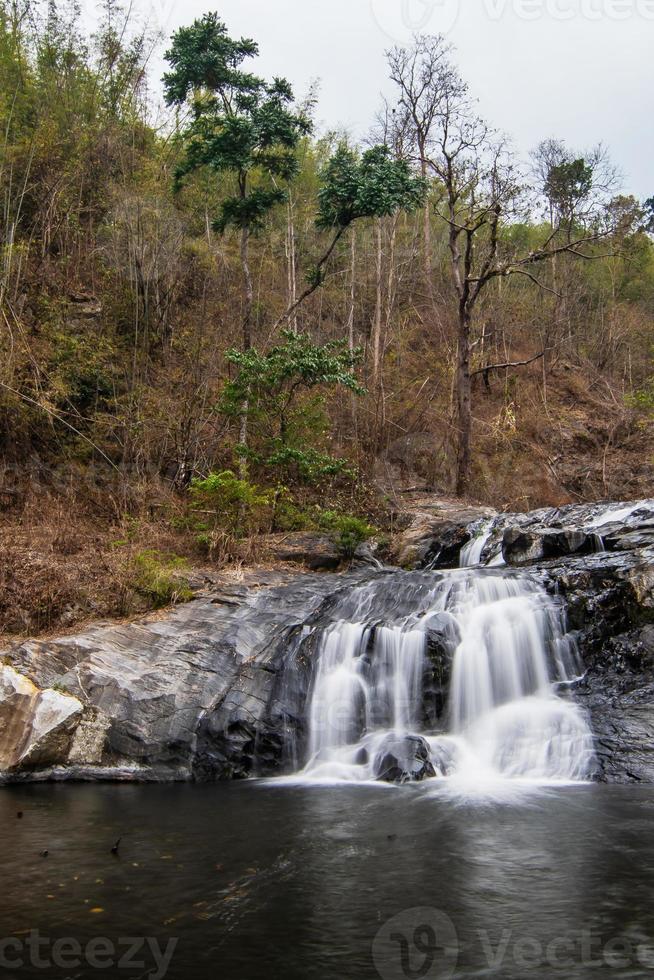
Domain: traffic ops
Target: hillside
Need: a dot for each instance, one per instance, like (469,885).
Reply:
(205,341)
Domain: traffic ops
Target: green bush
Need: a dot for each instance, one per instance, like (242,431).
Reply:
(223,500)
(347,531)
(161,578)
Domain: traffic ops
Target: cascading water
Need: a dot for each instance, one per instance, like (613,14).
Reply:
(471,552)
(513,653)
(507,715)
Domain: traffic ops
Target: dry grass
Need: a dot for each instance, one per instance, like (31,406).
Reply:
(62,562)
(69,556)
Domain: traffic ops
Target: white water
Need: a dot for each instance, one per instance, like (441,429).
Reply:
(470,554)
(511,657)
(614,514)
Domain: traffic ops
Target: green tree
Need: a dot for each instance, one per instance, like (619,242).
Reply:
(372,185)
(283,390)
(240,125)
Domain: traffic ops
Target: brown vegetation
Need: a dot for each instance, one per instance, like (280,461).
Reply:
(119,303)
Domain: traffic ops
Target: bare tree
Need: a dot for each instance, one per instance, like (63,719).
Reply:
(481,191)
(419,72)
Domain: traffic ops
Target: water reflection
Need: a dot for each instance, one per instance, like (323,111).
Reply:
(265,882)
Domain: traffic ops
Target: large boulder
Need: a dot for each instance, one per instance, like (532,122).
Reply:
(521,546)
(36,726)
(403,759)
(317,552)
(435,529)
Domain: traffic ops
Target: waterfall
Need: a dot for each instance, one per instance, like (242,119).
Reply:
(508,714)
(611,514)
(470,554)
(514,652)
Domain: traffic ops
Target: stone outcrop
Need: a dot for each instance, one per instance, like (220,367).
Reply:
(435,531)
(197,694)
(36,726)
(314,551)
(218,688)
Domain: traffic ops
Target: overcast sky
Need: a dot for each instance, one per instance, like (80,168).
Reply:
(579,70)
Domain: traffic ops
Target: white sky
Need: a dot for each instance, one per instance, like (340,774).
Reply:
(579,70)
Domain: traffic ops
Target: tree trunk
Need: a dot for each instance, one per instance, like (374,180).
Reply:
(350,323)
(375,339)
(248,299)
(426,226)
(377,321)
(248,293)
(463,403)
(291,265)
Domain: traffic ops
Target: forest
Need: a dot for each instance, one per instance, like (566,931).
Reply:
(220,323)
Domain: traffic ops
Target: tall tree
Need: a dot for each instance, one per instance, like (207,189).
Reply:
(482,192)
(353,187)
(240,125)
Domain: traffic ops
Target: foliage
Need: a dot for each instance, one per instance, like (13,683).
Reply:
(347,530)
(161,578)
(223,500)
(277,386)
(567,184)
(240,123)
(120,309)
(373,186)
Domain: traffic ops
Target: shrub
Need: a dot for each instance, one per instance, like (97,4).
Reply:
(161,578)
(347,531)
(224,500)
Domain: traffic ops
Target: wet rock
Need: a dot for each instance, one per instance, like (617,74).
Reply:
(317,552)
(443,635)
(610,604)
(403,759)
(216,689)
(521,546)
(436,531)
(443,755)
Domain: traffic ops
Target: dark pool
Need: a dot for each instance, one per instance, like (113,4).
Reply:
(248,881)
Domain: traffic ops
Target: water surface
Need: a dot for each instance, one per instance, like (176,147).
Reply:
(259,880)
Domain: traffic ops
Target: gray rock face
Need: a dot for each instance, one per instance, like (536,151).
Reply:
(610,602)
(195,694)
(522,546)
(435,532)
